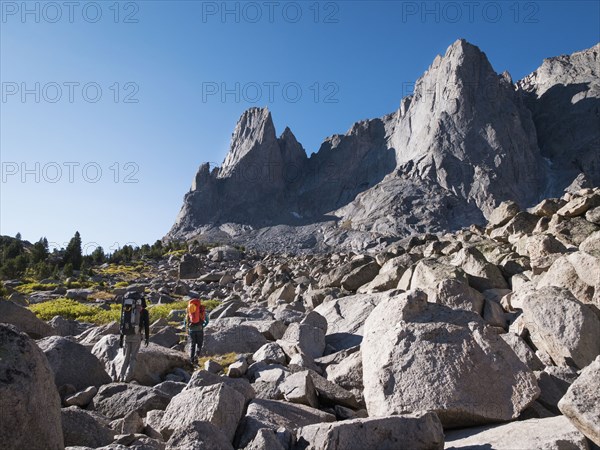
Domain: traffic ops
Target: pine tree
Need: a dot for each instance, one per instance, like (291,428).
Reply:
(98,256)
(73,253)
(68,270)
(40,251)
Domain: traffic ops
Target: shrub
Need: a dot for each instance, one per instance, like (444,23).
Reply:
(127,272)
(71,309)
(112,315)
(162,311)
(68,270)
(40,270)
(78,284)
(176,253)
(28,288)
(102,295)
(211,304)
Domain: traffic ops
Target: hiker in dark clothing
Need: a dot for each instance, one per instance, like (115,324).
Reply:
(195,321)
(134,320)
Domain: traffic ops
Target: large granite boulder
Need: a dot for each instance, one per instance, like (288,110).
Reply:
(202,378)
(421,356)
(581,404)
(274,414)
(237,339)
(153,363)
(346,318)
(563,327)
(389,275)
(218,404)
(24,320)
(67,358)
(562,274)
(29,400)
(546,433)
(303,338)
(198,435)
(430,272)
(482,274)
(85,428)
(419,432)
(116,400)
(347,373)
(92,335)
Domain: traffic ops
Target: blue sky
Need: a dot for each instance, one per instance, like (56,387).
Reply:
(129,94)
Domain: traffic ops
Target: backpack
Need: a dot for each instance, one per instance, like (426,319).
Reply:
(196,312)
(130,317)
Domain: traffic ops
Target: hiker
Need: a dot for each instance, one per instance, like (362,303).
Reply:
(195,321)
(134,320)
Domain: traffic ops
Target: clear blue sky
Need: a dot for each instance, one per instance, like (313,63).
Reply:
(92,60)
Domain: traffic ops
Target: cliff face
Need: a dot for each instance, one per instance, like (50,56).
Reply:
(466,140)
(463,142)
(564,98)
(467,129)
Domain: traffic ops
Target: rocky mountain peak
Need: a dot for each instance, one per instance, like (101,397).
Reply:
(292,152)
(563,95)
(467,130)
(253,138)
(462,49)
(461,60)
(579,67)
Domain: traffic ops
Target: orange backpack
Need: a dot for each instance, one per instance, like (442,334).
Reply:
(196,312)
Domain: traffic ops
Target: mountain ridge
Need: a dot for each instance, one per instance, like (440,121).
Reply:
(465,140)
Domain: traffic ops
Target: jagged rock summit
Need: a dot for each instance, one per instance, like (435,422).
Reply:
(466,140)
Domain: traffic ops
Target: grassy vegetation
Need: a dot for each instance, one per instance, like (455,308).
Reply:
(78,284)
(162,311)
(28,288)
(102,295)
(211,304)
(225,360)
(176,253)
(71,309)
(128,272)
(31,286)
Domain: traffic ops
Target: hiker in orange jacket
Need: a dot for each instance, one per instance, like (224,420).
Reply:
(196,319)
